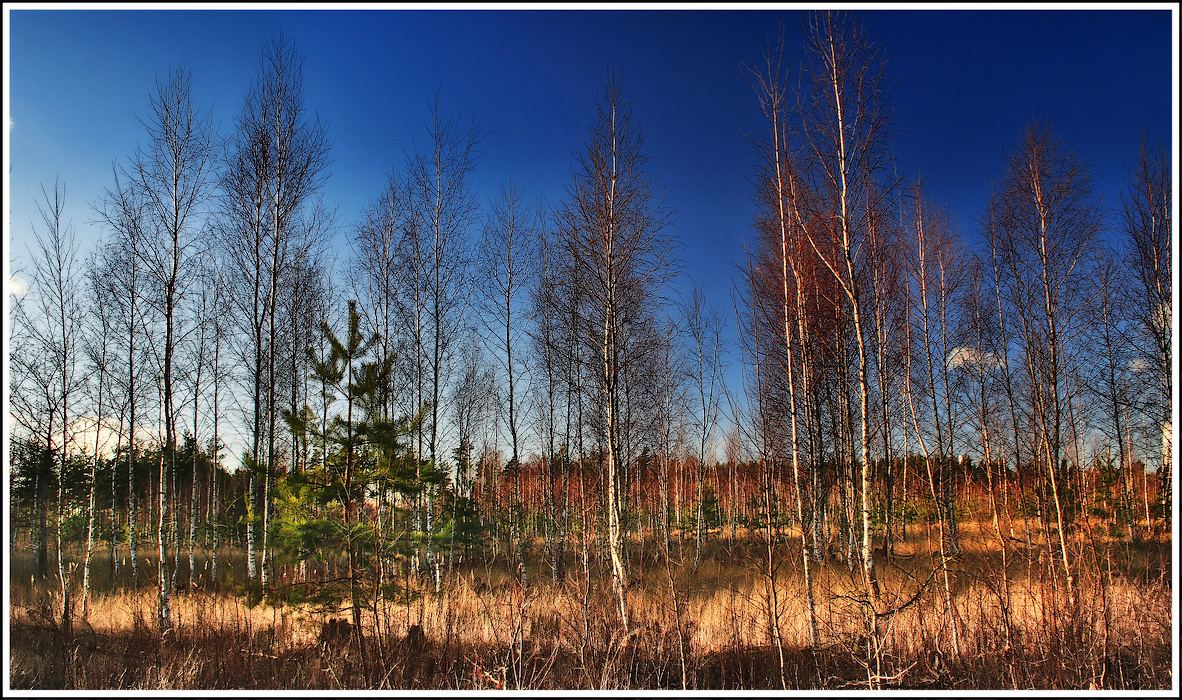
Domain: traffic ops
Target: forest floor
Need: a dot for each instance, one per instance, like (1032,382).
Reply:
(484,630)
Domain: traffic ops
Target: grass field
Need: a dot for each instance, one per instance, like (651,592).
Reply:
(485,631)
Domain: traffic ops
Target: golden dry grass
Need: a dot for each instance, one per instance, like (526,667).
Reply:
(483,630)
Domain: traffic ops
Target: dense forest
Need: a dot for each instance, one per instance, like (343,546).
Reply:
(493,444)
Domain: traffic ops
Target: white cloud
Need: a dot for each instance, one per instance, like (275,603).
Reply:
(1137,365)
(84,430)
(965,356)
(17,286)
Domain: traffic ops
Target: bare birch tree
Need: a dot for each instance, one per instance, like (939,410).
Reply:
(57,325)
(1148,227)
(506,265)
(173,173)
(1047,225)
(441,191)
(614,230)
(843,126)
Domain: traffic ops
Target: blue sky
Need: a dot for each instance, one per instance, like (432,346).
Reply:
(964,85)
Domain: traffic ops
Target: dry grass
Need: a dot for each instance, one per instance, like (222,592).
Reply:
(485,631)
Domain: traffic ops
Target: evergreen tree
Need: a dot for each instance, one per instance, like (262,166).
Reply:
(322,511)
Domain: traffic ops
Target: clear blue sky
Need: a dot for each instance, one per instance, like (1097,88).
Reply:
(965,84)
